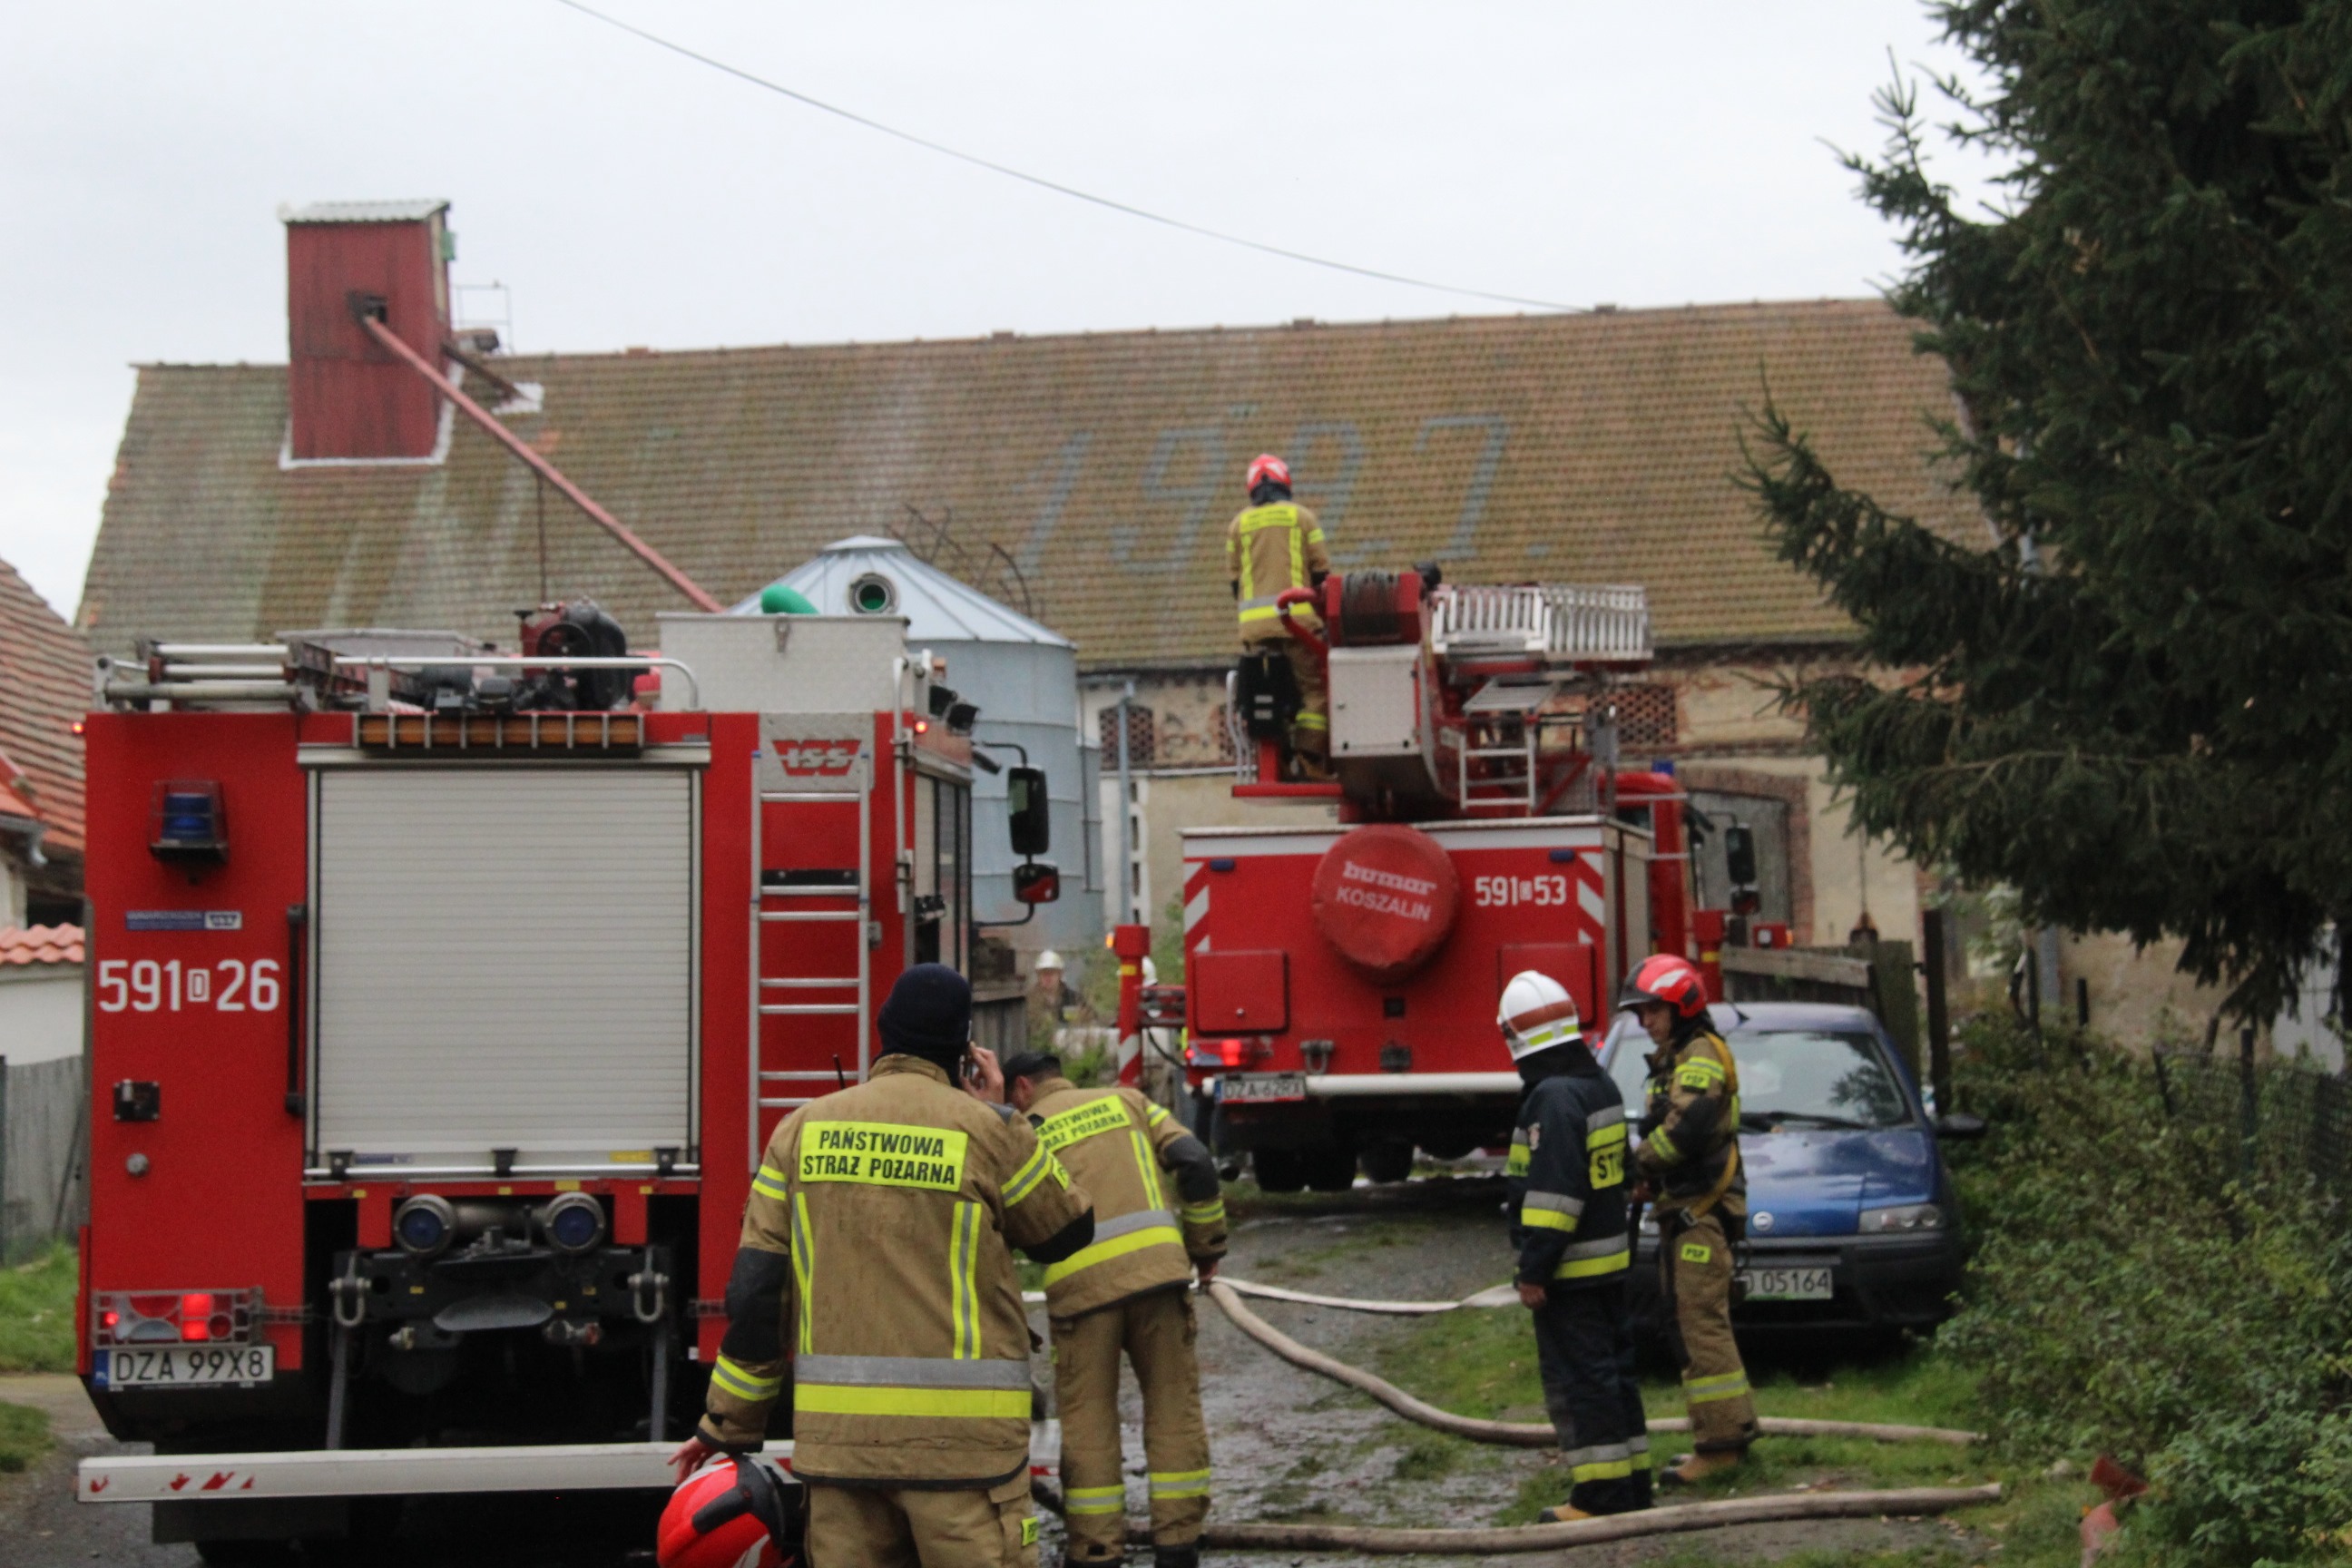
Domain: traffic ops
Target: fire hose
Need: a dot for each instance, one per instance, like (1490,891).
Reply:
(1528,1434)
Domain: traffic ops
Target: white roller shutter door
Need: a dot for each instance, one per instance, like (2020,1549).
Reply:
(505,960)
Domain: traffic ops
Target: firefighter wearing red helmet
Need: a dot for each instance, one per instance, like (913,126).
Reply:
(875,1255)
(1271,546)
(1689,1162)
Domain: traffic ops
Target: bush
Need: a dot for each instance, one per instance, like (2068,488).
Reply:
(2138,1291)
(36,1313)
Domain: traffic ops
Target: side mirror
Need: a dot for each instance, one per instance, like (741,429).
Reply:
(1033,813)
(1036,883)
(1960,1127)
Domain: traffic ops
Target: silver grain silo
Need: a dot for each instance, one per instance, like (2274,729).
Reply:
(1024,677)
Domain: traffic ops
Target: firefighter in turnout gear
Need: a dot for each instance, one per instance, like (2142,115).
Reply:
(1689,1160)
(1274,546)
(1572,1226)
(1160,1214)
(874,1256)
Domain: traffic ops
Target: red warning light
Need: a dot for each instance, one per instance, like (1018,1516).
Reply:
(195,1315)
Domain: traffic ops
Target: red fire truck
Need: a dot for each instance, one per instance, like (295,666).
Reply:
(1341,980)
(444,1001)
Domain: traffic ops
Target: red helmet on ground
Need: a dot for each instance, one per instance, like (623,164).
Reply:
(1662,977)
(1265,466)
(736,1514)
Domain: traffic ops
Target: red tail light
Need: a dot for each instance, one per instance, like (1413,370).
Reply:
(179,1317)
(196,1316)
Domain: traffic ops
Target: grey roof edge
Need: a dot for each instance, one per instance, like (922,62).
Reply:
(414,209)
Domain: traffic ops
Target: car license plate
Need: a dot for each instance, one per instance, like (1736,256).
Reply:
(183,1366)
(1237,1088)
(1787,1284)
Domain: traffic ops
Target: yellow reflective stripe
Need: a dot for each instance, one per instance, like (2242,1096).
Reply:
(1145,1163)
(1209,1213)
(768,1183)
(1261,613)
(804,1265)
(858,1399)
(883,1154)
(1156,1115)
(1095,1499)
(1663,1147)
(963,1249)
(1608,1470)
(743,1383)
(1589,1268)
(1117,1246)
(1180,1483)
(1040,1164)
(1706,1390)
(1601,1137)
(1515,1163)
(1308,719)
(1546,1219)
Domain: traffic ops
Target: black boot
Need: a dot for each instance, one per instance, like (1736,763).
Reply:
(1176,1557)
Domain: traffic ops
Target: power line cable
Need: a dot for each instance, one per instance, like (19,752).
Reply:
(1054,185)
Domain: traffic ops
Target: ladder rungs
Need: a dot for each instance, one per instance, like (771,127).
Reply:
(803,985)
(812,914)
(810,1076)
(767,1104)
(807,1009)
(847,891)
(812,797)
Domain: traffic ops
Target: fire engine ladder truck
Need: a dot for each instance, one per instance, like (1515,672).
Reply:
(807,902)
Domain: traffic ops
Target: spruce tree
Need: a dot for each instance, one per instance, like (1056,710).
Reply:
(2137,707)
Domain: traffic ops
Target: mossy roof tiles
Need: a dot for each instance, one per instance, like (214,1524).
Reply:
(1586,448)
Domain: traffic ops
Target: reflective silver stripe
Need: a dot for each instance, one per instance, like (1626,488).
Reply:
(1260,603)
(910,1372)
(1597,1249)
(1520,1136)
(1558,1201)
(1600,1119)
(1598,1453)
(1126,1224)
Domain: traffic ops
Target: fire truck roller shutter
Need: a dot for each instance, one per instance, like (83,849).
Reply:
(505,960)
(1384,899)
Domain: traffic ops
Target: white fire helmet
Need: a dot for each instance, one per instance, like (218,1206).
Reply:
(1536,1014)
(1049,959)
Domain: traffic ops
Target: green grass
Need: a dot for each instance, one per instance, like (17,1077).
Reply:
(36,1313)
(24,1438)
(1483,1362)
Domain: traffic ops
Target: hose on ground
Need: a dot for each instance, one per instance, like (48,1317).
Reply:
(1528,1435)
(1677,1519)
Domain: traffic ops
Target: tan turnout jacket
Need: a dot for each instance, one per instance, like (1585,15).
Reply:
(1147,1238)
(1269,549)
(895,1202)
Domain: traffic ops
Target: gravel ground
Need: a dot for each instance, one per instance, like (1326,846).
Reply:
(1290,1446)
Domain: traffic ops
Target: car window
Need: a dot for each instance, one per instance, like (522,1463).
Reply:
(1833,1078)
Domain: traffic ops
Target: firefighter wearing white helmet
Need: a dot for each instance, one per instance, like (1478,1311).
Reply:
(1572,1227)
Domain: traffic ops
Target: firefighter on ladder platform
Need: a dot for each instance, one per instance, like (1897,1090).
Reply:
(1160,1214)
(1689,1166)
(1271,547)
(875,1251)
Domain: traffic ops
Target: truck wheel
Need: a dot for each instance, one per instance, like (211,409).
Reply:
(1386,1162)
(1330,1170)
(246,1554)
(1278,1170)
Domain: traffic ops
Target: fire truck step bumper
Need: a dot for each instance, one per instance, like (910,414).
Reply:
(406,1472)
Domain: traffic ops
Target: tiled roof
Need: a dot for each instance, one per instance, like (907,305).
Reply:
(45,686)
(40,944)
(1593,449)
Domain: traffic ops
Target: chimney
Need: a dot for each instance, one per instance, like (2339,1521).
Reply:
(347,398)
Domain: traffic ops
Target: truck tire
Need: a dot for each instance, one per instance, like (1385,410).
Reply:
(246,1554)
(1330,1170)
(1278,1170)
(1386,1162)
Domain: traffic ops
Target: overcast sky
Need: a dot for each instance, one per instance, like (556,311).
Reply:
(1566,152)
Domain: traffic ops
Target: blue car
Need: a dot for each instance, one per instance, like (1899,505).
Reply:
(1852,1219)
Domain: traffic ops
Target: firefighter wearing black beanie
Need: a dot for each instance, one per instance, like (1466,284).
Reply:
(877,1236)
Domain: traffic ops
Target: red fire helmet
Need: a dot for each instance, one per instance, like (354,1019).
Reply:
(728,1515)
(1266,466)
(1662,977)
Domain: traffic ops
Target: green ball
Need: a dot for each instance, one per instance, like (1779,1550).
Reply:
(780,599)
